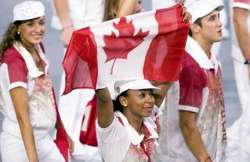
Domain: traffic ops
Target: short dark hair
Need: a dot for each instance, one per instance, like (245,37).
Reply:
(117,104)
(197,22)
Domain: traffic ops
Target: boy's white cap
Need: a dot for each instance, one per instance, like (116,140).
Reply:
(124,85)
(27,10)
(201,8)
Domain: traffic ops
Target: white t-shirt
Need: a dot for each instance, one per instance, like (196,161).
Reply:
(157,4)
(82,13)
(114,141)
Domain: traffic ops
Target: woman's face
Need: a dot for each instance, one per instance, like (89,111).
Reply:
(32,31)
(140,102)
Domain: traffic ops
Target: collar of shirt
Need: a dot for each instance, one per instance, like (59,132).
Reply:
(198,54)
(135,137)
(34,72)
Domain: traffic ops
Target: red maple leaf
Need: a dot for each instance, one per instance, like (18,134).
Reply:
(120,46)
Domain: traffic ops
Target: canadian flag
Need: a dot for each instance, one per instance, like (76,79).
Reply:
(147,45)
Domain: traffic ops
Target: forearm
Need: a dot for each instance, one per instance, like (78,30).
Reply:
(28,140)
(62,10)
(192,137)
(105,110)
(240,18)
(19,98)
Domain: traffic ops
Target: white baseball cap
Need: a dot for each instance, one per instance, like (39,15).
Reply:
(27,10)
(124,85)
(201,8)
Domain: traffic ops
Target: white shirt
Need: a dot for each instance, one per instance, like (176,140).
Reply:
(157,4)
(114,141)
(82,13)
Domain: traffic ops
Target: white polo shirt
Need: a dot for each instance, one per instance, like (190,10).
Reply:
(114,141)
(196,93)
(19,70)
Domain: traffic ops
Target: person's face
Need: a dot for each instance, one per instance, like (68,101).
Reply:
(211,27)
(32,31)
(140,102)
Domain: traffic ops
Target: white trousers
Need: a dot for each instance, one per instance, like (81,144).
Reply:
(12,149)
(239,133)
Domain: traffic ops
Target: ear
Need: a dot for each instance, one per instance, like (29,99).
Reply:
(124,101)
(195,28)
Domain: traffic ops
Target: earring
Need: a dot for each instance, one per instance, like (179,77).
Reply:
(18,32)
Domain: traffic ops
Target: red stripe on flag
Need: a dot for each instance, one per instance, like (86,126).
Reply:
(164,56)
(80,61)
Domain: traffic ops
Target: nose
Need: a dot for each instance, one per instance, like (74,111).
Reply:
(150,98)
(40,28)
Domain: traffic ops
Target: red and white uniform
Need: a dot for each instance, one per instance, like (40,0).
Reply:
(198,90)
(238,133)
(19,70)
(120,142)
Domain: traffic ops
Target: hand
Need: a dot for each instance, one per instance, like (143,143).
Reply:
(187,15)
(66,34)
(208,159)
(71,145)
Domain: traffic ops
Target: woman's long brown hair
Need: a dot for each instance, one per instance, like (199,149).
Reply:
(111,8)
(9,37)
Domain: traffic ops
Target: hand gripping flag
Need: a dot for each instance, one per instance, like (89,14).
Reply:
(148,45)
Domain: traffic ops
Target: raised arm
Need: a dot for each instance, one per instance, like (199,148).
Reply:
(105,109)
(19,98)
(63,13)
(192,136)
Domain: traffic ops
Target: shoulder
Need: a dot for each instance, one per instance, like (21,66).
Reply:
(12,55)
(192,73)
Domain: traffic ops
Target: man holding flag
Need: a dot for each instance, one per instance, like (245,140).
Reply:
(193,125)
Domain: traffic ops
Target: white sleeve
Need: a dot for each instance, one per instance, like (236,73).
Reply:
(157,4)
(113,141)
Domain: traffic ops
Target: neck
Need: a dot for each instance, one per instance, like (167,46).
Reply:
(205,45)
(30,47)
(135,121)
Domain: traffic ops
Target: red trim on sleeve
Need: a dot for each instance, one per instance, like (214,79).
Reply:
(192,81)
(17,68)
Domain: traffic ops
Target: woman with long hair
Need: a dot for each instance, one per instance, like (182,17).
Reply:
(26,92)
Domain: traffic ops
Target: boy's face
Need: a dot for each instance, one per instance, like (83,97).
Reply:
(211,27)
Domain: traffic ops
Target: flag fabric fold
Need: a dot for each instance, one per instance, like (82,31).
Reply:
(148,45)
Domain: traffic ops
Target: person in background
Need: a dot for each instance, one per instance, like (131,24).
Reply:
(193,122)
(127,122)
(26,93)
(238,133)
(70,15)
(120,8)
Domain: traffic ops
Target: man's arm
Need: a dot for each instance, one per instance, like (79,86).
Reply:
(63,13)
(192,136)
(240,17)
